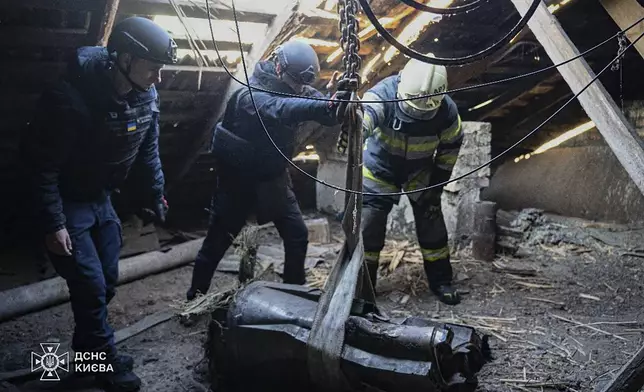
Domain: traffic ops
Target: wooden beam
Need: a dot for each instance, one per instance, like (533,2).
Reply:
(625,13)
(105,22)
(184,43)
(631,376)
(598,104)
(256,54)
(519,92)
(192,68)
(193,9)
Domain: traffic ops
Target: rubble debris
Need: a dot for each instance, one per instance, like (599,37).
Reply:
(319,231)
(520,232)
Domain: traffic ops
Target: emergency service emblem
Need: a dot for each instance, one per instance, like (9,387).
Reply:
(49,362)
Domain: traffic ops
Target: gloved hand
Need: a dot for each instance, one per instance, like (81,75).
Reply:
(337,109)
(156,212)
(161,209)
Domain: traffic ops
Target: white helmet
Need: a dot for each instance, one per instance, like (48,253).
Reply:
(417,79)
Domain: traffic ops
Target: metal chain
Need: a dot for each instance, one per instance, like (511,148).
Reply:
(350,44)
(350,41)
(619,65)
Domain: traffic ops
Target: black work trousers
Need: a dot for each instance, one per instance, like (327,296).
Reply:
(234,200)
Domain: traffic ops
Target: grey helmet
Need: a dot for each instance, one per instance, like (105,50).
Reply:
(143,38)
(299,61)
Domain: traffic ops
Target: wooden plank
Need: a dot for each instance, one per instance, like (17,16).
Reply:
(120,336)
(63,5)
(598,104)
(255,55)
(193,9)
(631,376)
(184,43)
(40,36)
(625,13)
(192,68)
(104,28)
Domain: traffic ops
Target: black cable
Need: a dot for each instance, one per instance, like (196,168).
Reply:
(442,184)
(456,90)
(443,11)
(448,61)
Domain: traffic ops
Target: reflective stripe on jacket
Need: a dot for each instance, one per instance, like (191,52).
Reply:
(395,150)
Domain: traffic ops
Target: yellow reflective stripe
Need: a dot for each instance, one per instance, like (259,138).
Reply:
(390,141)
(367,124)
(366,173)
(452,132)
(435,254)
(372,256)
(400,146)
(422,147)
(447,159)
(421,179)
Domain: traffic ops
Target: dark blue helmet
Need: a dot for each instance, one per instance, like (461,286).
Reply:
(299,61)
(143,38)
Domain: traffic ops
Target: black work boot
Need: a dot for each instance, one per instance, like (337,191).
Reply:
(446,293)
(125,361)
(122,379)
(439,275)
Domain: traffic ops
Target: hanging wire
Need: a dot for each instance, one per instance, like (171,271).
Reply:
(456,90)
(386,194)
(448,61)
(443,11)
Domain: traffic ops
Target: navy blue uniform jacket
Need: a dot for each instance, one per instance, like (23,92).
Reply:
(84,140)
(239,141)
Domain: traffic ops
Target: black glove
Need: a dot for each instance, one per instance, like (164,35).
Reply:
(337,109)
(157,212)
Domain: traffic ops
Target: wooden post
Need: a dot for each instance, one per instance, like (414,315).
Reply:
(625,13)
(631,377)
(102,23)
(598,104)
(255,55)
(484,236)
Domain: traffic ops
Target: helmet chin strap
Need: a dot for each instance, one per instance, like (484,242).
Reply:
(126,73)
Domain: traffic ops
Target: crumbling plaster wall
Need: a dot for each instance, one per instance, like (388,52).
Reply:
(582,178)
(458,198)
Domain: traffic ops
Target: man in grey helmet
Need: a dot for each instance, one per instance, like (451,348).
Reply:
(252,175)
(100,121)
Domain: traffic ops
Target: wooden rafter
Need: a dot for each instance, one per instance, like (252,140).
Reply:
(193,9)
(256,54)
(598,104)
(625,13)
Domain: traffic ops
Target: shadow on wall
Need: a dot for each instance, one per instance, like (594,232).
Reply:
(585,182)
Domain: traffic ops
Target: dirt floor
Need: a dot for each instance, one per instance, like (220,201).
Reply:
(563,314)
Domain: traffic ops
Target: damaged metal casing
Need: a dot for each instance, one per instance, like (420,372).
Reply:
(260,343)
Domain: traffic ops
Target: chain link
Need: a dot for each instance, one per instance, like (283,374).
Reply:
(623,44)
(350,40)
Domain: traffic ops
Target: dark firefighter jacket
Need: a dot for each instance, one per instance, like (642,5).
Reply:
(84,140)
(396,150)
(240,142)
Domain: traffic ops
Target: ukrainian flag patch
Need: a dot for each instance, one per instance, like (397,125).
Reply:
(131,126)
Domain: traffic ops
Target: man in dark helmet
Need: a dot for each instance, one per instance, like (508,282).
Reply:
(100,121)
(252,176)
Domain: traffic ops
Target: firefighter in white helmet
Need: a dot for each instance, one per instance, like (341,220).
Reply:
(411,145)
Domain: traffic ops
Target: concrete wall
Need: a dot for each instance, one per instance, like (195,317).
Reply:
(458,197)
(582,178)
(585,182)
